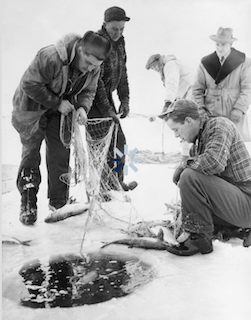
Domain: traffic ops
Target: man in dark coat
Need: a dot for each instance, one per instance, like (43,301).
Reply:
(113,77)
(61,78)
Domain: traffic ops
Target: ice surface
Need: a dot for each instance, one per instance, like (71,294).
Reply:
(214,286)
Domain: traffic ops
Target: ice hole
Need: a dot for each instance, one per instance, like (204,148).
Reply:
(73,280)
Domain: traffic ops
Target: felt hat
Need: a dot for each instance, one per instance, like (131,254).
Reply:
(152,61)
(115,14)
(224,35)
(96,45)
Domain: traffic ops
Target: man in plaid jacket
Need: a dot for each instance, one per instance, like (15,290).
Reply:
(215,182)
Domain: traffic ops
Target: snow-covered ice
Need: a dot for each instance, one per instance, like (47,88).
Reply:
(214,286)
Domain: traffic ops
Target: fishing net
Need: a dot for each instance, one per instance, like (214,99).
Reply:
(92,177)
(94,185)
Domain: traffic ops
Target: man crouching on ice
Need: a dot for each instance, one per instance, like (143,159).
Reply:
(215,182)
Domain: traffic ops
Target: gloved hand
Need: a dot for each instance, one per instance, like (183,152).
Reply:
(162,115)
(113,115)
(166,105)
(124,109)
(178,171)
(236,115)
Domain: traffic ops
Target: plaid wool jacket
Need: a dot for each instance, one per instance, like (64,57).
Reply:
(113,76)
(220,150)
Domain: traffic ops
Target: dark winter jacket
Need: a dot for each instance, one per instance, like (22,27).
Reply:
(113,77)
(44,83)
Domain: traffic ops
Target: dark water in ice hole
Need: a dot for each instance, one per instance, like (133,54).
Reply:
(73,280)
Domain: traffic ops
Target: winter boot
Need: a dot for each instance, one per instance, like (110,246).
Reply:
(195,243)
(247,238)
(28,212)
(130,186)
(225,233)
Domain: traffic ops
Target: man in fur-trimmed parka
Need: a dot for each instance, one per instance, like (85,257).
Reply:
(223,82)
(113,77)
(61,78)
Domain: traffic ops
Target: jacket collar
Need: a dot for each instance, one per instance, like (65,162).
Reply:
(218,72)
(104,33)
(66,48)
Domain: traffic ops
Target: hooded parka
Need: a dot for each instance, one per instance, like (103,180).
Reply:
(45,83)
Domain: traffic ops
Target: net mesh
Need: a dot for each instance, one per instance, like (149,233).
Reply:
(91,176)
(93,180)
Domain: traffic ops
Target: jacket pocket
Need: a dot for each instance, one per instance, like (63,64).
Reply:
(26,122)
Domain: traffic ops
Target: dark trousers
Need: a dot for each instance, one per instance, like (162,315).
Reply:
(118,141)
(209,200)
(57,156)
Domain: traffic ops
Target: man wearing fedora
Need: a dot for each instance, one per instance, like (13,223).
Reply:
(223,82)
(113,77)
(62,77)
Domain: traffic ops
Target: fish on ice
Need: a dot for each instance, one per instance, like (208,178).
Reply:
(143,242)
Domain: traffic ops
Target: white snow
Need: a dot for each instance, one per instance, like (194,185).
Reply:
(216,286)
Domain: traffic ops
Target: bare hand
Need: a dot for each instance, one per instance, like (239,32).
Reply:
(81,116)
(65,107)
(114,116)
(236,115)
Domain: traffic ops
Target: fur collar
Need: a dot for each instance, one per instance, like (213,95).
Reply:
(66,47)
(218,72)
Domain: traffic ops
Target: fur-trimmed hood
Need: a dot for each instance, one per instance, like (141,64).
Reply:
(66,47)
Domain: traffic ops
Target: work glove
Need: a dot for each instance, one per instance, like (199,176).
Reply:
(236,115)
(124,109)
(114,116)
(163,114)
(177,173)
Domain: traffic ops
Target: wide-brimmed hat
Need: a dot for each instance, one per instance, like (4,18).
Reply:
(115,14)
(152,61)
(96,45)
(224,35)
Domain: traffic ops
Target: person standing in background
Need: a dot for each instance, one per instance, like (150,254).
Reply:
(177,80)
(61,78)
(113,77)
(223,82)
